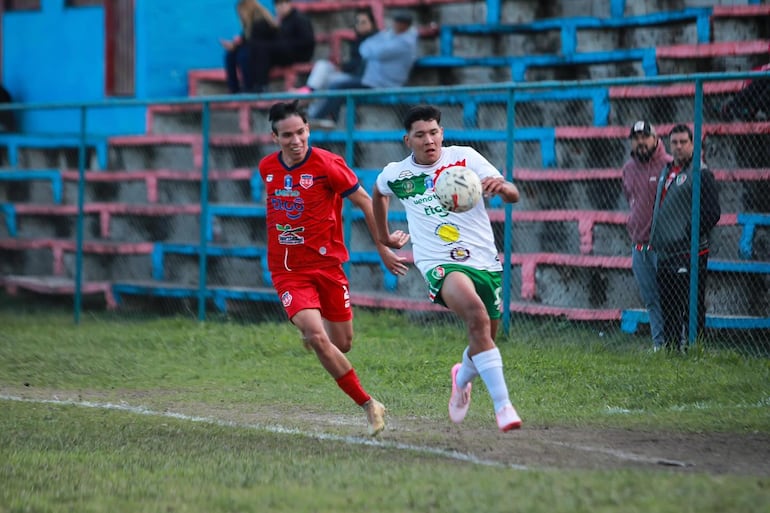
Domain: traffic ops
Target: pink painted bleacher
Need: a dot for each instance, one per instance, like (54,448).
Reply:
(195,141)
(243,108)
(424,305)
(57,285)
(621,132)
(737,11)
(289,74)
(718,49)
(59,246)
(675,90)
(586,220)
(151,177)
(570,175)
(105,211)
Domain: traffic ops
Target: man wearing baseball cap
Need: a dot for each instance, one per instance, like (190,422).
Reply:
(640,182)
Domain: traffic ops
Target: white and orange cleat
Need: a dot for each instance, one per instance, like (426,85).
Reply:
(460,400)
(508,419)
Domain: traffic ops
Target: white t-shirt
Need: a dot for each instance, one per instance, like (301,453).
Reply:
(438,236)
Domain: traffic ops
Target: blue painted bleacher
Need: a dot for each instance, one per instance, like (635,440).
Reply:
(15,142)
(24,175)
(569,27)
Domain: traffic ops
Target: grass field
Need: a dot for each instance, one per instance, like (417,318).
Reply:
(172,415)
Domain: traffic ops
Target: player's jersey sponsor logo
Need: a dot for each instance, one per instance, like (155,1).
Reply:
(460,254)
(288,182)
(286,299)
(438,272)
(448,232)
(306,181)
(680,179)
(293,207)
(289,236)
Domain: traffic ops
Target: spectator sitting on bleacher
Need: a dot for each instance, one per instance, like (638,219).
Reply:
(389,56)
(752,99)
(295,43)
(258,25)
(324,71)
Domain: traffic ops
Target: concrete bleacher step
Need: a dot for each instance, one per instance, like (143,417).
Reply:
(648,58)
(158,185)
(186,150)
(57,285)
(16,145)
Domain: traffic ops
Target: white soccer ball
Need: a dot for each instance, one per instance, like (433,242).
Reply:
(458,189)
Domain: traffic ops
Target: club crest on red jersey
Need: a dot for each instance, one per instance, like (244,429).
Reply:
(306,181)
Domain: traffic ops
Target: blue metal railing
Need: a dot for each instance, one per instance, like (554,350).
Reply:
(508,95)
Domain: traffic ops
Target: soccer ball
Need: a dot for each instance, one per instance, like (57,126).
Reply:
(458,189)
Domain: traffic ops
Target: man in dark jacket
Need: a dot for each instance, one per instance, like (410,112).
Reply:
(640,183)
(670,236)
(295,43)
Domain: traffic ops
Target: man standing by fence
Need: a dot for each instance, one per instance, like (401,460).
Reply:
(671,232)
(640,183)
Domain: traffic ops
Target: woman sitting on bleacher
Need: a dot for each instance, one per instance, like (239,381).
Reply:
(295,43)
(258,25)
(324,72)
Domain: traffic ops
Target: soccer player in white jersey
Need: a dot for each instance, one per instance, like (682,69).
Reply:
(455,253)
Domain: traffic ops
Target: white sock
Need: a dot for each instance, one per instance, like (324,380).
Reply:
(489,365)
(467,372)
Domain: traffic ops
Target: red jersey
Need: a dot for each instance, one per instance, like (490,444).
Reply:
(304,210)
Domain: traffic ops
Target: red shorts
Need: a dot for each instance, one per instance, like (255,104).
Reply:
(324,289)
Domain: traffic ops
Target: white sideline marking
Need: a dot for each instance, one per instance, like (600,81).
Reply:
(623,455)
(352,440)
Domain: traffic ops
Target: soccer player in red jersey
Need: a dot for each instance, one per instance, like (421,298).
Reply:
(304,189)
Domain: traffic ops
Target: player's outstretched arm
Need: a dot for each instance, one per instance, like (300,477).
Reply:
(500,186)
(393,262)
(380,204)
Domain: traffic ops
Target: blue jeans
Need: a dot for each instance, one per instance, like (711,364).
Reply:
(239,58)
(644,265)
(330,107)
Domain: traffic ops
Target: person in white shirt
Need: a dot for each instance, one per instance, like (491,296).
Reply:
(455,252)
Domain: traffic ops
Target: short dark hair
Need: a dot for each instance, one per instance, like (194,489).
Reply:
(282,110)
(421,113)
(681,129)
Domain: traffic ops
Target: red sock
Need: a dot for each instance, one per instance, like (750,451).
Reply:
(350,385)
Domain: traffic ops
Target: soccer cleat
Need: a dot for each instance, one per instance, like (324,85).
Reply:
(508,419)
(460,399)
(375,416)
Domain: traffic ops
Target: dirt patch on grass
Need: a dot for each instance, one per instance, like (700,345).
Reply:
(532,447)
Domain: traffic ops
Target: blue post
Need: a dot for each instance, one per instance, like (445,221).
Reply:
(493,11)
(79,219)
(508,224)
(696,206)
(204,216)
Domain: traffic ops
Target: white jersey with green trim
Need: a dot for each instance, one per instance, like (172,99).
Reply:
(438,236)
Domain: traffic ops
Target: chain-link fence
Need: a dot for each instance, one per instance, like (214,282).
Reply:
(173,220)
